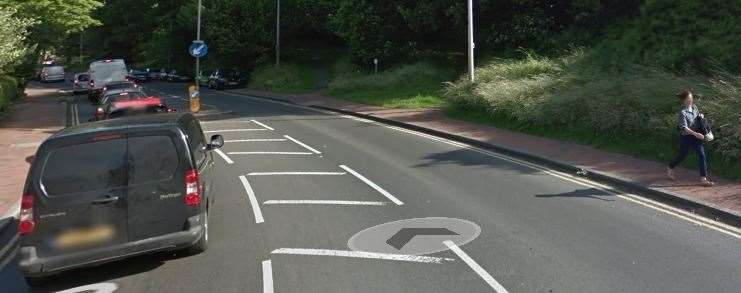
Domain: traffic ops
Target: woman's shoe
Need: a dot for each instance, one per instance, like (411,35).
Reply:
(670,174)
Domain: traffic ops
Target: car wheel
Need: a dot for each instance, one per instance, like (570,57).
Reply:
(202,244)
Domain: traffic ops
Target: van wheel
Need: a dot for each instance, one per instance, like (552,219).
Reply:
(202,244)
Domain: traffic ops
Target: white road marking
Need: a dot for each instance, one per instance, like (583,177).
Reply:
(302,144)
(373,185)
(296,173)
(361,254)
(224,156)
(327,202)
(679,213)
(262,124)
(256,140)
(267,276)
(475,267)
(235,130)
(95,288)
(270,153)
(253,199)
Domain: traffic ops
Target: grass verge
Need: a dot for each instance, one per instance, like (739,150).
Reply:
(408,86)
(288,78)
(630,110)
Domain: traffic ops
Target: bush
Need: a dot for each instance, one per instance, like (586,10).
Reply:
(8,91)
(286,78)
(573,95)
(408,86)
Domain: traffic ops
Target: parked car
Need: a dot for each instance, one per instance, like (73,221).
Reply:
(107,190)
(138,75)
(80,83)
(102,73)
(224,78)
(154,74)
(53,73)
(173,76)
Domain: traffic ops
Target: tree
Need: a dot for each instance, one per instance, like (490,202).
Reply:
(13,32)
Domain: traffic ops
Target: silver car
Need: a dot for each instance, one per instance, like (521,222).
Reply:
(52,73)
(81,83)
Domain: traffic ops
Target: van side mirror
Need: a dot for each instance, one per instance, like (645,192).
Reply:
(217,141)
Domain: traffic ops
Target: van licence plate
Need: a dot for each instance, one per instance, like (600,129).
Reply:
(84,237)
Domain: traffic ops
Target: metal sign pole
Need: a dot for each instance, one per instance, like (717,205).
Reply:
(277,35)
(470,41)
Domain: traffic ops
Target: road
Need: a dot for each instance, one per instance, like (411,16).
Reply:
(294,185)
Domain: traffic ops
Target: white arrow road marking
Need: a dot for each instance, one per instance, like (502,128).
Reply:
(253,200)
(361,254)
(235,130)
(270,153)
(296,173)
(475,267)
(257,140)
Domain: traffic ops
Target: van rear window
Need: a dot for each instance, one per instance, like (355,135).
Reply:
(151,159)
(92,166)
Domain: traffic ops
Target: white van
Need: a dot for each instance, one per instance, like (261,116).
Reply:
(102,73)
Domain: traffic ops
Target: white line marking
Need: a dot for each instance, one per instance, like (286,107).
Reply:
(270,153)
(235,130)
(96,288)
(262,124)
(253,200)
(373,185)
(267,276)
(302,144)
(361,254)
(475,267)
(256,140)
(682,214)
(296,173)
(327,202)
(224,156)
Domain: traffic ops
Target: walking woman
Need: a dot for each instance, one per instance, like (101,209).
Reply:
(689,138)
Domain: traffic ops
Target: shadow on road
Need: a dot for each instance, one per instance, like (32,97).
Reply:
(579,193)
(105,273)
(465,157)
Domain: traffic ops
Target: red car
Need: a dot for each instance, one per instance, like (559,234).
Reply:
(129,103)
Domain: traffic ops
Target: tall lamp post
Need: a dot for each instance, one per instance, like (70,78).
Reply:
(277,35)
(471,45)
(198,59)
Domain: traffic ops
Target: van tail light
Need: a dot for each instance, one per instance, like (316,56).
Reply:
(26,224)
(92,83)
(99,112)
(192,189)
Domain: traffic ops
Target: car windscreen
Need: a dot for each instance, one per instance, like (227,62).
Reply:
(152,159)
(89,166)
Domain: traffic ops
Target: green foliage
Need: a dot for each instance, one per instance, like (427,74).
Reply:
(573,95)
(8,90)
(287,78)
(408,86)
(13,33)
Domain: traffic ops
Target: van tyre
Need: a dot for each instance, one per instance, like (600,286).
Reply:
(202,244)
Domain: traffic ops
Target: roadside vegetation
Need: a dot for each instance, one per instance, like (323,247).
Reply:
(287,78)
(631,110)
(407,86)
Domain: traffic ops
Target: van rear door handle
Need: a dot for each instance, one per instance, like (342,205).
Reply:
(106,200)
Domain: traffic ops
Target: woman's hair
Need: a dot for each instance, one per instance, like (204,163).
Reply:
(683,95)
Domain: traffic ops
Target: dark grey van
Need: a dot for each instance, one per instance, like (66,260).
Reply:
(112,189)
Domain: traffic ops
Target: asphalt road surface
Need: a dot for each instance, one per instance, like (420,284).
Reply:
(294,185)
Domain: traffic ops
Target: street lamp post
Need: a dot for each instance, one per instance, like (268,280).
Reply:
(198,59)
(471,45)
(277,35)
